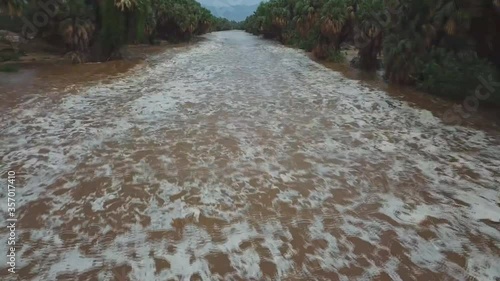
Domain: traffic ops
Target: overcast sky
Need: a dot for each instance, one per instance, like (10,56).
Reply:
(219,3)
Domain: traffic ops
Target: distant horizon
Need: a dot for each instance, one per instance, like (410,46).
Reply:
(234,10)
(229,3)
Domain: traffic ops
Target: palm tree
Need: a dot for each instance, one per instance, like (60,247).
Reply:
(334,26)
(305,17)
(12,7)
(421,27)
(369,32)
(336,16)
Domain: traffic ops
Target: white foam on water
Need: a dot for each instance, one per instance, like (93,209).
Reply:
(210,155)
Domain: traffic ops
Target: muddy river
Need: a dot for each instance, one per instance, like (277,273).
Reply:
(240,159)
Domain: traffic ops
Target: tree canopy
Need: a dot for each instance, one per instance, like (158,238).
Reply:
(440,46)
(95,29)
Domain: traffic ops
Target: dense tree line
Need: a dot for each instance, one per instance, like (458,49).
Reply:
(443,46)
(225,24)
(96,29)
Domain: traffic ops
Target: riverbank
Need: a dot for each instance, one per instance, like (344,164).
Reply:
(40,53)
(450,111)
(455,60)
(44,71)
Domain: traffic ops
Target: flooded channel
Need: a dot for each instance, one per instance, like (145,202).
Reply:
(240,159)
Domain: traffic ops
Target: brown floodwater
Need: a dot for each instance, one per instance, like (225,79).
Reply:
(240,159)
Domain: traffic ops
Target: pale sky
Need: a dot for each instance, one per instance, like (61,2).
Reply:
(221,3)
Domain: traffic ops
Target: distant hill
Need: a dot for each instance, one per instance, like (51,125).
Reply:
(235,12)
(225,3)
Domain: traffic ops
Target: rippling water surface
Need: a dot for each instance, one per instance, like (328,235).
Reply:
(240,159)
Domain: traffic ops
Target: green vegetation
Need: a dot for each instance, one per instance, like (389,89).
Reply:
(439,46)
(222,24)
(96,29)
